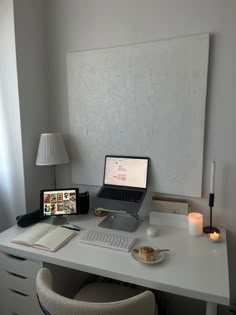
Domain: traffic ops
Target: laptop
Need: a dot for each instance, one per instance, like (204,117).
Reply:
(124,183)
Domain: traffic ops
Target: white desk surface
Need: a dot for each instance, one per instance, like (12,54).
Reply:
(196,267)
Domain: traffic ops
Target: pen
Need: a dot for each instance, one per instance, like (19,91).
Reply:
(71,228)
(75,226)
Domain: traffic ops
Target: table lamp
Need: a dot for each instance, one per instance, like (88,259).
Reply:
(52,152)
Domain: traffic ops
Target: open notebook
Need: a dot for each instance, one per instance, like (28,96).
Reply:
(45,236)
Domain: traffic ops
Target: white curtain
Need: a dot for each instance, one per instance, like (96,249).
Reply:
(12,190)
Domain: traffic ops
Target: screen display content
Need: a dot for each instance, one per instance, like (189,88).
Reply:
(59,202)
(125,171)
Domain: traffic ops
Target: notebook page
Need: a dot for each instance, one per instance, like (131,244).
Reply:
(32,234)
(55,239)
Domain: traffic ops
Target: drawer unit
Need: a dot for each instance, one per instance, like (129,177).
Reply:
(17,285)
(19,265)
(15,303)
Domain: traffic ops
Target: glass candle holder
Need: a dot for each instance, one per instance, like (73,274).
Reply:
(195,223)
(215,237)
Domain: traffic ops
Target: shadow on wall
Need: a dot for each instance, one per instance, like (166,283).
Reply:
(7,219)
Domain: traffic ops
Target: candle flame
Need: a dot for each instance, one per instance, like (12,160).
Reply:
(215,236)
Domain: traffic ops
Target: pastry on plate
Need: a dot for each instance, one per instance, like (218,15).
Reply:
(146,253)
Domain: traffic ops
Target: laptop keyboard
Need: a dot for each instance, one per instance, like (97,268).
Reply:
(119,194)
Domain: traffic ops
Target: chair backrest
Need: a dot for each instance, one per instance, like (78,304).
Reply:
(54,304)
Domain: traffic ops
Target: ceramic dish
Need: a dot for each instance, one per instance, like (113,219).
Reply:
(159,256)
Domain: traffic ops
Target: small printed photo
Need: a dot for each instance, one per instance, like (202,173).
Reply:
(53,208)
(53,198)
(59,197)
(69,207)
(72,207)
(72,197)
(60,207)
(66,196)
(47,198)
(47,208)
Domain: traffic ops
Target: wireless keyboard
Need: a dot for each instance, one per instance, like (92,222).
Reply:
(108,239)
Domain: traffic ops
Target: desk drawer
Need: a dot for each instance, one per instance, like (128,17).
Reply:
(19,265)
(17,283)
(14,303)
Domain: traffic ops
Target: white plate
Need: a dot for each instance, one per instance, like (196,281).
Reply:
(158,256)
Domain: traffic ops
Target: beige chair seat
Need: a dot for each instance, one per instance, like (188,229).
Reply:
(102,292)
(93,299)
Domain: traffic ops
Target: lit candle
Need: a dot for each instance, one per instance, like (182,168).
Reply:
(214,236)
(212,181)
(195,223)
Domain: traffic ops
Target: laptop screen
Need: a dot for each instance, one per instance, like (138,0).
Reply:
(126,171)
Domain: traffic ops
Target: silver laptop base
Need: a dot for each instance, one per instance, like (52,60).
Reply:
(123,222)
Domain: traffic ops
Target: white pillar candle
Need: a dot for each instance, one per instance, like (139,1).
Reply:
(195,223)
(212,180)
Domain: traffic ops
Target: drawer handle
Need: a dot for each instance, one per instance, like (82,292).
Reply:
(15,257)
(14,313)
(17,292)
(15,275)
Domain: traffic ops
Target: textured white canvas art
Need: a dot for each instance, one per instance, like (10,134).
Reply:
(144,99)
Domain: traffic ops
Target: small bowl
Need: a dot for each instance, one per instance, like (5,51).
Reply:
(214,240)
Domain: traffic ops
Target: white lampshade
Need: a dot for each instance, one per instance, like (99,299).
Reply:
(51,150)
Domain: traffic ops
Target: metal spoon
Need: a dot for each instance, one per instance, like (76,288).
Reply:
(155,250)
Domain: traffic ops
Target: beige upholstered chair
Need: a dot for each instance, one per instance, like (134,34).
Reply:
(93,299)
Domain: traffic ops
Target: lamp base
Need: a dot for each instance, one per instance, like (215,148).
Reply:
(210,229)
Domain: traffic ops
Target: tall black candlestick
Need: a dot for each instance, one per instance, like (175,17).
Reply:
(210,228)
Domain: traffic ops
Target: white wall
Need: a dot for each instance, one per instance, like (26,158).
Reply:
(31,52)
(12,190)
(78,25)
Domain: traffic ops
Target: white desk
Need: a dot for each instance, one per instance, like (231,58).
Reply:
(196,267)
